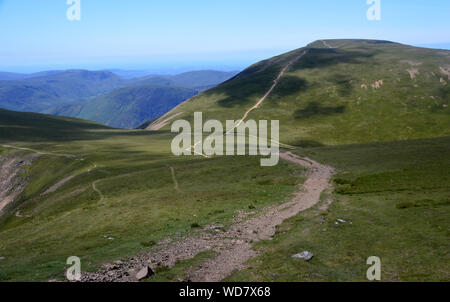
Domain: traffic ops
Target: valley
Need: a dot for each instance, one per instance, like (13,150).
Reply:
(103,96)
(364,172)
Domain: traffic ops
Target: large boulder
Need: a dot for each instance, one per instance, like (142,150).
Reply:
(144,273)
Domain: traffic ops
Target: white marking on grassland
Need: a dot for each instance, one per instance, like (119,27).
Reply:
(326,44)
(233,246)
(157,125)
(39,152)
(57,185)
(94,187)
(175,181)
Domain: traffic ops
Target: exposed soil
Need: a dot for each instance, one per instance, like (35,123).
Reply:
(261,100)
(413,72)
(157,125)
(38,152)
(233,246)
(326,44)
(175,181)
(94,187)
(377,84)
(12,181)
(57,185)
(445,71)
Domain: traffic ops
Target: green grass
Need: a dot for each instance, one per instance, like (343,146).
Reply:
(179,272)
(322,100)
(396,196)
(140,205)
(394,192)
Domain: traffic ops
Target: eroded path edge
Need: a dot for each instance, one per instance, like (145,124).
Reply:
(233,247)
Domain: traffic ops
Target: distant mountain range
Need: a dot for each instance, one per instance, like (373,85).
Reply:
(81,93)
(378,112)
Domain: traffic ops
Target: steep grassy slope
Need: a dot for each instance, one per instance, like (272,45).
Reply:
(122,196)
(128,107)
(378,112)
(357,91)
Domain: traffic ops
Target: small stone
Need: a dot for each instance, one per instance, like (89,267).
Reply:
(342,220)
(110,238)
(304,255)
(144,273)
(2,258)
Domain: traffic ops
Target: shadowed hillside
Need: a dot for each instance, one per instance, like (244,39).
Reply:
(341,91)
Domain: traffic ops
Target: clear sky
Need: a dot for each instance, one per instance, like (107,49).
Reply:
(143,34)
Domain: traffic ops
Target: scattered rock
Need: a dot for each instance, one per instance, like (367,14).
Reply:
(110,238)
(2,258)
(377,84)
(304,255)
(342,220)
(144,273)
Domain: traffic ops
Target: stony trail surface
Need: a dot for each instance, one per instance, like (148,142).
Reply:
(233,247)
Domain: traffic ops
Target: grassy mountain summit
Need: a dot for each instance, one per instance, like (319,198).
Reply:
(341,91)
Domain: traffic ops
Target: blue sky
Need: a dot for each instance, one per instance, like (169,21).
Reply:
(174,34)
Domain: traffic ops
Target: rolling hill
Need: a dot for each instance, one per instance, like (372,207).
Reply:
(12,76)
(199,80)
(375,111)
(128,107)
(103,96)
(340,91)
(40,93)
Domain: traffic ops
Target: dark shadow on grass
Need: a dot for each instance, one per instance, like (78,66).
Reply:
(290,85)
(325,57)
(343,82)
(307,144)
(316,109)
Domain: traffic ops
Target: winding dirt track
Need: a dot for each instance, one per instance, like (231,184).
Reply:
(235,253)
(326,44)
(233,246)
(94,187)
(38,152)
(175,181)
(258,103)
(275,83)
